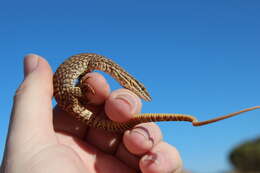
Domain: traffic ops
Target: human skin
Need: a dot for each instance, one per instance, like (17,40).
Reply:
(43,139)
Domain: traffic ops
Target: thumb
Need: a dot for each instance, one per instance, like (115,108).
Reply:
(31,121)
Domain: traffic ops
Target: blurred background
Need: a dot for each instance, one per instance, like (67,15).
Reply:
(196,57)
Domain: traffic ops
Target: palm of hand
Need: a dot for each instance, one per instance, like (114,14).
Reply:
(89,150)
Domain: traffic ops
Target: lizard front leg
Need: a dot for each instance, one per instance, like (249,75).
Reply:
(79,110)
(78,102)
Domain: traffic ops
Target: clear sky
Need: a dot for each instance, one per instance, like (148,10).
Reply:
(195,57)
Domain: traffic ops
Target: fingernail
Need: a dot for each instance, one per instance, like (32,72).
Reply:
(151,158)
(30,63)
(140,132)
(129,100)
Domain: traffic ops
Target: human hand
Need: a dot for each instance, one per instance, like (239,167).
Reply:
(44,140)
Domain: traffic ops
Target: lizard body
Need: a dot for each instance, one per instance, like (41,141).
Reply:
(70,90)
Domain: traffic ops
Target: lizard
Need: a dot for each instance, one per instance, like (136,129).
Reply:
(70,88)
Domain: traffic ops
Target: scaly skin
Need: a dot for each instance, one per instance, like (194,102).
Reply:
(70,94)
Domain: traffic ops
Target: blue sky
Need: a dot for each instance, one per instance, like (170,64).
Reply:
(195,57)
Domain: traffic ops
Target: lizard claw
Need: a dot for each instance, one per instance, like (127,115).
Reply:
(85,86)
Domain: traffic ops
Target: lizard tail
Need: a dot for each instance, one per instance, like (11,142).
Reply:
(112,126)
